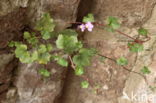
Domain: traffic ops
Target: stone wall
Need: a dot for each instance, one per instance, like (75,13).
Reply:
(26,85)
(23,84)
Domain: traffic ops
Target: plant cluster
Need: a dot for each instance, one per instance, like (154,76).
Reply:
(65,49)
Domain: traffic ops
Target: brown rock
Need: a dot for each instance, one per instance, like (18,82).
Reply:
(133,12)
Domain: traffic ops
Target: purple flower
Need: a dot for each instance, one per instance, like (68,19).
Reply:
(89,26)
(82,27)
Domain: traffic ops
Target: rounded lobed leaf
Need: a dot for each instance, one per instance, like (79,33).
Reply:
(62,62)
(135,47)
(122,61)
(68,43)
(113,23)
(79,71)
(89,18)
(145,70)
(44,72)
(84,84)
(143,31)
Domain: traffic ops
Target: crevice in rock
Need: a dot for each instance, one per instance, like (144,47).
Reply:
(149,14)
(61,97)
(85,7)
(13,29)
(11,26)
(7,78)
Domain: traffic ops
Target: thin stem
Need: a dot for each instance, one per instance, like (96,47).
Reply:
(107,57)
(118,32)
(148,38)
(82,76)
(125,34)
(99,24)
(72,64)
(123,67)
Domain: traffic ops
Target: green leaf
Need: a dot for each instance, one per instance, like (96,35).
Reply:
(63,41)
(46,23)
(62,62)
(143,31)
(79,71)
(49,47)
(81,60)
(69,32)
(27,35)
(68,43)
(136,47)
(44,72)
(22,47)
(46,35)
(22,53)
(46,26)
(153,88)
(84,84)
(113,23)
(17,44)
(31,38)
(42,48)
(84,57)
(11,44)
(89,18)
(122,61)
(88,53)
(60,42)
(34,55)
(20,50)
(25,58)
(145,70)
(44,58)
(33,41)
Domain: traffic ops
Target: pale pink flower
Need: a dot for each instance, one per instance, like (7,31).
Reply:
(89,26)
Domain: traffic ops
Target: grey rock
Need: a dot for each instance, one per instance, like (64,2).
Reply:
(30,87)
(33,88)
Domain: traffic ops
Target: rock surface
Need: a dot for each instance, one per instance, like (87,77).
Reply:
(64,10)
(108,81)
(140,87)
(15,17)
(33,88)
(106,78)
(6,67)
(112,81)
(133,12)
